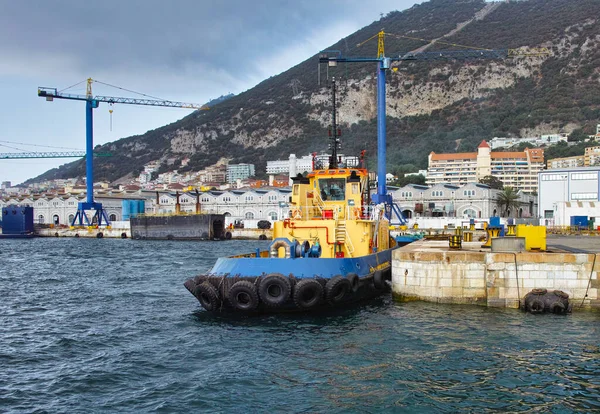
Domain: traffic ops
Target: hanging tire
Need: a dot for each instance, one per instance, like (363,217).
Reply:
(275,289)
(208,296)
(243,296)
(228,235)
(308,293)
(354,281)
(378,280)
(536,306)
(336,289)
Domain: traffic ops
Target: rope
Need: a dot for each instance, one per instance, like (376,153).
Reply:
(129,90)
(37,145)
(517,276)
(589,280)
(78,83)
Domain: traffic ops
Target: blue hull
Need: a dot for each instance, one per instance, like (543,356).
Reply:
(301,267)
(262,284)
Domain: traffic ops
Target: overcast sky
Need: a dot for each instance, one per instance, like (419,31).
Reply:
(183,50)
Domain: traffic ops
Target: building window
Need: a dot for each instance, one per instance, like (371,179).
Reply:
(584,196)
(249,198)
(41,219)
(113,217)
(437,193)
(249,215)
(584,176)
(406,194)
(554,177)
(469,193)
(548,214)
(273,215)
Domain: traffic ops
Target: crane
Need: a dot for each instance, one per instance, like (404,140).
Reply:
(333,57)
(71,154)
(92,103)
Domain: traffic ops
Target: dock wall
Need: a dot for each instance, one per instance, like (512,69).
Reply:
(493,279)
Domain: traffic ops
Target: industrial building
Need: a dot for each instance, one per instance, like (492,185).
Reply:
(568,192)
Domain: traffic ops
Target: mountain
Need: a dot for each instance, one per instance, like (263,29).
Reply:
(444,106)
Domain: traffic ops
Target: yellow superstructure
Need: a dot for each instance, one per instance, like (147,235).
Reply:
(329,208)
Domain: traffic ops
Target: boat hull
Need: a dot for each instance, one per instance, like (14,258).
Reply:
(363,278)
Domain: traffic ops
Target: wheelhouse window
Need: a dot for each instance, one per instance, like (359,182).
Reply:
(332,189)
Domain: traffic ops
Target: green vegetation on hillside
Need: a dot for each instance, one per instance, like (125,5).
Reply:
(563,94)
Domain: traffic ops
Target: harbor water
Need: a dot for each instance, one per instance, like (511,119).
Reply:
(105,325)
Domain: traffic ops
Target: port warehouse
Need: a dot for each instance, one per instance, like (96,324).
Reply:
(563,194)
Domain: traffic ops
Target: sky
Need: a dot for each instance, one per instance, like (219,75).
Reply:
(181,50)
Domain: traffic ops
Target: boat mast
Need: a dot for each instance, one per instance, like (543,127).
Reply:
(335,135)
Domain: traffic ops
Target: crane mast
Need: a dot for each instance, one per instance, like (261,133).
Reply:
(383,64)
(91,103)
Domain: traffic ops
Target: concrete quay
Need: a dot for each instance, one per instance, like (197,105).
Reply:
(125,233)
(430,271)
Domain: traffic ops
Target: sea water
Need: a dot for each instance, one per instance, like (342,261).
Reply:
(105,325)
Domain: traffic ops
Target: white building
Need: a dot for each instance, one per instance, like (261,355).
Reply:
(471,200)
(239,172)
(568,192)
(251,204)
(304,164)
(550,139)
(61,209)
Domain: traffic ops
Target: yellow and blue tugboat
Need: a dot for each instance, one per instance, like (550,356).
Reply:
(334,248)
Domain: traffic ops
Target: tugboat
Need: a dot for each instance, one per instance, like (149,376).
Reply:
(334,248)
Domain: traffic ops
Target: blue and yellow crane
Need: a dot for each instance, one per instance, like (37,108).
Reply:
(333,57)
(92,103)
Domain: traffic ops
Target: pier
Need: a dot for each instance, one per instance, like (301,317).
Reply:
(430,270)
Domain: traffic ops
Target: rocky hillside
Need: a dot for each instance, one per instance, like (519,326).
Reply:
(440,105)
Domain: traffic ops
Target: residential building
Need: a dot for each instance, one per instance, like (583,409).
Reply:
(304,164)
(534,141)
(568,192)
(515,169)
(566,162)
(591,156)
(239,172)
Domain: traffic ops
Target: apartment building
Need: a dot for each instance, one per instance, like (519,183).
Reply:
(515,169)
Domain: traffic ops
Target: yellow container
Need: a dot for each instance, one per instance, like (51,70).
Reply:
(535,236)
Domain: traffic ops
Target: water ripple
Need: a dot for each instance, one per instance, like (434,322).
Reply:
(105,325)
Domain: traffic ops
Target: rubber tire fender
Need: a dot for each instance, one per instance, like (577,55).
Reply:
(227,235)
(561,294)
(275,289)
(336,289)
(208,296)
(540,291)
(378,280)
(354,281)
(558,308)
(243,296)
(308,293)
(536,306)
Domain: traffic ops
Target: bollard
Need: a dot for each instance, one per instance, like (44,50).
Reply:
(511,230)
(468,236)
(455,242)
(492,232)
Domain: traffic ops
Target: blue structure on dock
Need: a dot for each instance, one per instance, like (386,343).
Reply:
(17,221)
(133,208)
